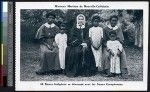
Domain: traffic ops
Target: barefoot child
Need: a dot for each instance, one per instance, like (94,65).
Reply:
(61,41)
(96,35)
(114,47)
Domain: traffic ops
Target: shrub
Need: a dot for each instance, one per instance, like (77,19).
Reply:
(32,19)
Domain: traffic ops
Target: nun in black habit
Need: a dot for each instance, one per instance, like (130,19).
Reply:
(79,62)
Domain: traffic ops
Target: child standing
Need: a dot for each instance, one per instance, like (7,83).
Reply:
(114,47)
(96,35)
(61,41)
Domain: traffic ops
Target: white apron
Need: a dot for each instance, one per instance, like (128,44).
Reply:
(61,41)
(96,34)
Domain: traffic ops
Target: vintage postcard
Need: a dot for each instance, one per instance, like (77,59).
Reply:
(81,46)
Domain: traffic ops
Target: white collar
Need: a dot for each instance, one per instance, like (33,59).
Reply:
(49,25)
(96,27)
(61,33)
(113,28)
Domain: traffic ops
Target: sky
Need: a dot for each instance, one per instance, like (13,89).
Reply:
(5,6)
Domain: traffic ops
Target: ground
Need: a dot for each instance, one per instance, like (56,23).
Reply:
(30,61)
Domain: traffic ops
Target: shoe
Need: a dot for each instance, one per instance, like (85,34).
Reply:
(124,77)
(49,72)
(118,75)
(55,72)
(40,73)
(63,72)
(85,75)
(110,75)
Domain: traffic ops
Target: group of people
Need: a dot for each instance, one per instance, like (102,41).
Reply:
(81,53)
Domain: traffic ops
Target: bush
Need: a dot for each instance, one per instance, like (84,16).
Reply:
(31,20)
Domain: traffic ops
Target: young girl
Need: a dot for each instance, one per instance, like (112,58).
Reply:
(114,47)
(61,41)
(96,35)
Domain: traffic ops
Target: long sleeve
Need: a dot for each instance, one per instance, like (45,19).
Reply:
(77,36)
(86,36)
(76,39)
(40,33)
(90,33)
(120,35)
(102,33)
(101,41)
(66,38)
(105,37)
(120,46)
(108,45)
(57,39)
(53,32)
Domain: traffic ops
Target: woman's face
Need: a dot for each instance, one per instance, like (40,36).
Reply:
(81,18)
(51,19)
(113,22)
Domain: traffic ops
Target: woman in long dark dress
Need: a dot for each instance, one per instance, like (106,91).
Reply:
(106,62)
(49,59)
(75,65)
(73,56)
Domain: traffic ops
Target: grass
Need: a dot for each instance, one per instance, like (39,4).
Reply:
(30,61)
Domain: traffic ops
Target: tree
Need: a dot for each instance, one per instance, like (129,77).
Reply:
(129,20)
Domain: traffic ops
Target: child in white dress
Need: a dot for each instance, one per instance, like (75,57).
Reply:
(96,35)
(61,41)
(115,48)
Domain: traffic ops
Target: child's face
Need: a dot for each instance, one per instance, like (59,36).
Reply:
(62,30)
(95,22)
(113,22)
(113,37)
(51,19)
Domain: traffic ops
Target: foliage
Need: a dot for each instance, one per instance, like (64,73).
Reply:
(32,19)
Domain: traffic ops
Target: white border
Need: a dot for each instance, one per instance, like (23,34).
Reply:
(127,85)
(5,6)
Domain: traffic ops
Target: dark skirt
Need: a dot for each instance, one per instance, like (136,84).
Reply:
(75,66)
(49,59)
(89,65)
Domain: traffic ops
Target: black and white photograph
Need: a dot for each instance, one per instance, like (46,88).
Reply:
(96,43)
(52,47)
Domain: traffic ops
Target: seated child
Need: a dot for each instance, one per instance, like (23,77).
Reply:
(61,41)
(114,47)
